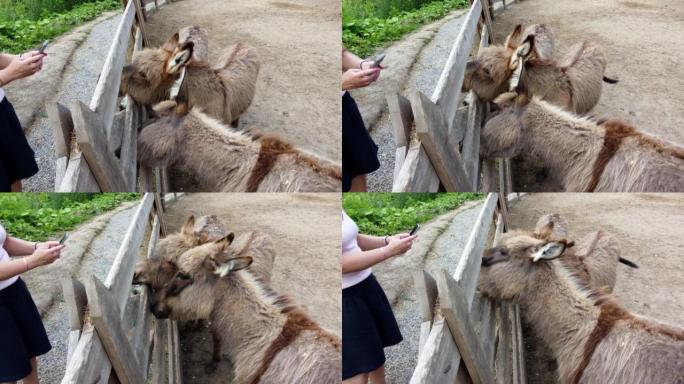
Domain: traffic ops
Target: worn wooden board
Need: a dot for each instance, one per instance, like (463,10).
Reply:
(440,360)
(92,140)
(471,141)
(487,10)
(417,173)
(468,268)
(77,177)
(504,368)
(61,164)
(72,342)
(75,300)
(401,117)
(456,310)
(426,292)
(89,362)
(399,157)
(116,132)
(489,176)
(59,118)
(157,365)
(425,328)
(129,141)
(519,372)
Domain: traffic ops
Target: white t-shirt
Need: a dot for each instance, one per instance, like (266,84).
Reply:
(350,231)
(4,256)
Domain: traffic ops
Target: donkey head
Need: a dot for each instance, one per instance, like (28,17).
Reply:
(489,73)
(152,72)
(502,135)
(513,266)
(158,142)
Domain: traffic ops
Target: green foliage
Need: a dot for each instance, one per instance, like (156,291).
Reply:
(383,213)
(368,24)
(37,216)
(25,24)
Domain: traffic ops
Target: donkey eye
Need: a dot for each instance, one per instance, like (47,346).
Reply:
(182,276)
(142,75)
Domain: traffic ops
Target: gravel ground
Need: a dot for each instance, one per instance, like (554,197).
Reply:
(78,83)
(424,75)
(96,260)
(443,253)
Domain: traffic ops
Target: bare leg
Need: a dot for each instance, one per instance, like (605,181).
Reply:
(16,186)
(32,378)
(378,376)
(358,184)
(361,378)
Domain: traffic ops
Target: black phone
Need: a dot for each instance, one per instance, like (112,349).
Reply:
(63,239)
(377,60)
(414,230)
(44,46)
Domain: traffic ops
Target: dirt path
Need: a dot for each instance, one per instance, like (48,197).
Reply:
(648,227)
(306,231)
(640,39)
(299,44)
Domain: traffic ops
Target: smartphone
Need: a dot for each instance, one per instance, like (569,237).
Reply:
(63,239)
(377,60)
(44,46)
(414,230)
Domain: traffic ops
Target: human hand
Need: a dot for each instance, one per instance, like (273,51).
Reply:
(399,244)
(47,244)
(370,65)
(23,66)
(359,78)
(44,256)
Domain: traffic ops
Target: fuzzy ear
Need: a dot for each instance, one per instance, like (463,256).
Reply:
(171,44)
(189,227)
(232,265)
(505,99)
(165,108)
(549,251)
(526,49)
(140,273)
(512,39)
(495,255)
(225,241)
(180,58)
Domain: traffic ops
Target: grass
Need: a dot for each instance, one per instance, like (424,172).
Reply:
(25,24)
(370,24)
(39,216)
(387,213)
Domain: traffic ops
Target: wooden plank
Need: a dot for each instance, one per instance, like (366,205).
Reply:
(72,342)
(432,132)
(116,133)
(92,140)
(519,372)
(121,272)
(487,330)
(509,176)
(89,362)
(426,292)
(159,206)
(468,268)
(104,100)
(399,157)
(143,331)
(425,327)
(141,21)
(455,309)
(417,173)
(503,210)
(488,175)
(75,300)
(154,237)
(105,315)
(439,362)
(62,125)
(487,10)
(78,177)
(401,117)
(61,164)
(158,350)
(448,87)
(129,144)
(178,376)
(471,141)
(504,369)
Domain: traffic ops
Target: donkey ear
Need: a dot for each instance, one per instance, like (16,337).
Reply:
(165,108)
(512,39)
(495,255)
(505,99)
(225,241)
(189,226)
(549,251)
(551,226)
(171,44)
(526,50)
(232,265)
(180,58)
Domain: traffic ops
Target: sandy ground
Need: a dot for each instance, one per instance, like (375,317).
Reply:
(649,229)
(299,44)
(306,231)
(643,51)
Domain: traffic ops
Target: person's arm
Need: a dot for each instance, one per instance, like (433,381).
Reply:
(6,59)
(14,68)
(359,260)
(40,257)
(368,242)
(350,60)
(19,247)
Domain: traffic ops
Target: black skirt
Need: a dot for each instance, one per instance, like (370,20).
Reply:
(17,160)
(359,151)
(368,326)
(21,331)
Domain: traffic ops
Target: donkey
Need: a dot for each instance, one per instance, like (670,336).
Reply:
(592,336)
(224,159)
(200,39)
(586,155)
(575,84)
(272,340)
(224,91)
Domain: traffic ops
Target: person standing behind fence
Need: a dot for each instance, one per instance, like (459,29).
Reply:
(22,334)
(359,152)
(17,159)
(368,323)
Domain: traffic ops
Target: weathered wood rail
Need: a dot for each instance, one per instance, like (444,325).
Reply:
(438,140)
(465,338)
(113,336)
(96,144)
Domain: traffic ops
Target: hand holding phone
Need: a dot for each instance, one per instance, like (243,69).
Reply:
(377,60)
(414,230)
(63,239)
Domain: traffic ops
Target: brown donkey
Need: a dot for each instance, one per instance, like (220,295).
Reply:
(224,91)
(587,156)
(575,84)
(271,339)
(228,160)
(594,338)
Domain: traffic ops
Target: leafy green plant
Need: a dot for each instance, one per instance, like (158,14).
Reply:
(383,213)
(24,25)
(369,24)
(38,216)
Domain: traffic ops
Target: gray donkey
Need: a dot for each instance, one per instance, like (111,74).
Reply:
(594,338)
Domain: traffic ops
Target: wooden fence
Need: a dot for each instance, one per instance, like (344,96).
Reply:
(465,338)
(438,141)
(113,336)
(95,144)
